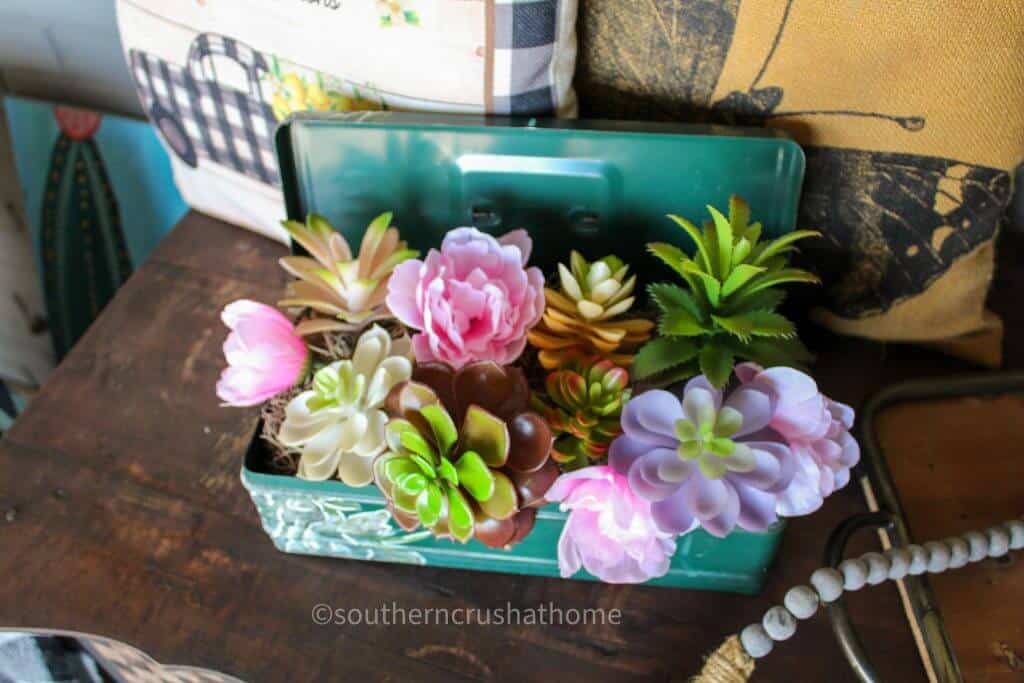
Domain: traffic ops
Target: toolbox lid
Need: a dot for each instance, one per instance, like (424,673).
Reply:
(596,186)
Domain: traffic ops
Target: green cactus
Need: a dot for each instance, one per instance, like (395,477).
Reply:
(84,255)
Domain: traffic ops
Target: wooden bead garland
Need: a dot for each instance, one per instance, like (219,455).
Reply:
(1016,529)
(855,574)
(778,623)
(899,562)
(959,552)
(828,585)
(878,567)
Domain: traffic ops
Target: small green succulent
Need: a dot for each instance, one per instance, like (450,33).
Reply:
(726,306)
(582,403)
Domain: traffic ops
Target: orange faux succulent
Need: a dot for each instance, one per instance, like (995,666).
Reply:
(587,314)
(583,402)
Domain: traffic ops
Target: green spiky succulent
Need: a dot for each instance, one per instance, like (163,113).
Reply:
(726,307)
(582,403)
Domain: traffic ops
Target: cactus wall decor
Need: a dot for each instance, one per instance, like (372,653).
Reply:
(84,255)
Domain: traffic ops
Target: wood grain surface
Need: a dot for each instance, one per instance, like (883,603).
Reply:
(121,514)
(964,472)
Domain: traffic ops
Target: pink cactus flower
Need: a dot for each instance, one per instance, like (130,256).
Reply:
(473,300)
(610,532)
(816,429)
(265,356)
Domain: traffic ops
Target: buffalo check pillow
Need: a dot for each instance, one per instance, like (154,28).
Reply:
(217,76)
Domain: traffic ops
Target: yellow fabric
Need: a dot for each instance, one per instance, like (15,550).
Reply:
(959,64)
(912,118)
(926,317)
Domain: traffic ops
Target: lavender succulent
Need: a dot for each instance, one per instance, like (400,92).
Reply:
(702,460)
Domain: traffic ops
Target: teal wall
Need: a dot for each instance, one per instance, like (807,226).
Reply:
(138,166)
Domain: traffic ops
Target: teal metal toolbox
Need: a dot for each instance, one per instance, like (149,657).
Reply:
(594,186)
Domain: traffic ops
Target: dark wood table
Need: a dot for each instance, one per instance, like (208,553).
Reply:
(122,514)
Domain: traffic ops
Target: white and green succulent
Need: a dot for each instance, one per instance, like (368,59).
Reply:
(338,426)
(343,293)
(601,289)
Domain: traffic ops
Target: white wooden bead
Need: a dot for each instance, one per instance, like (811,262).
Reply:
(959,552)
(801,601)
(756,641)
(998,541)
(899,562)
(828,583)
(918,560)
(1015,527)
(938,556)
(855,574)
(978,545)
(779,623)
(878,567)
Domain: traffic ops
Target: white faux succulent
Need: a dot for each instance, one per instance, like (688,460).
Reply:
(338,425)
(600,289)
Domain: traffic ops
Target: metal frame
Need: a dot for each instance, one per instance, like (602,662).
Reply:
(891,521)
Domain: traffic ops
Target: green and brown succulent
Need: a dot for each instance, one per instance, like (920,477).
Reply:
(726,308)
(466,458)
(583,403)
(344,293)
(587,314)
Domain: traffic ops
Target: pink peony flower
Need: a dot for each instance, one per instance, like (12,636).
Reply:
(265,356)
(473,300)
(816,429)
(610,531)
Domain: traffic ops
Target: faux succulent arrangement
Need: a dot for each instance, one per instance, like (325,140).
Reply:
(582,403)
(471,394)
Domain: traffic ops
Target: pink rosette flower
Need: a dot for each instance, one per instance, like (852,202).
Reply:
(816,429)
(265,356)
(473,300)
(609,532)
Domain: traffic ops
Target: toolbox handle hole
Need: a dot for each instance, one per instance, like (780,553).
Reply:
(585,223)
(484,217)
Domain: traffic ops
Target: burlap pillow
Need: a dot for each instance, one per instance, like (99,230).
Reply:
(911,114)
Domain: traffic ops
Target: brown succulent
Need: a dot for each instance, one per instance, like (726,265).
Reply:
(466,457)
(586,315)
